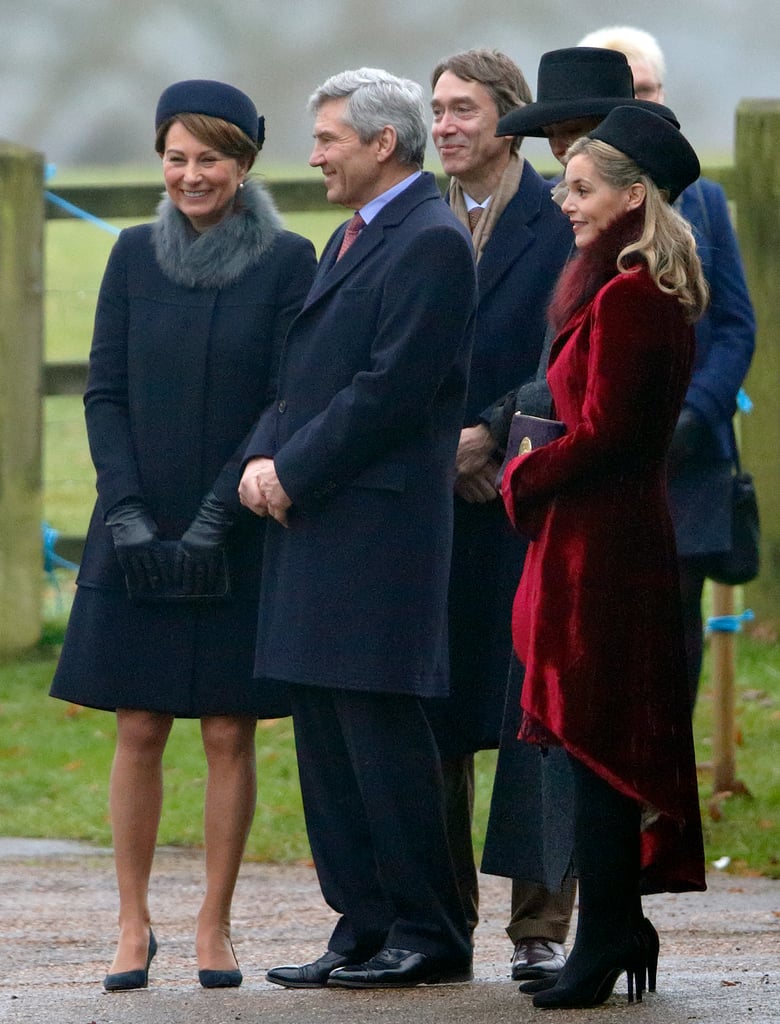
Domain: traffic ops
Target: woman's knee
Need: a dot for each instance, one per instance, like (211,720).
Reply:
(228,736)
(142,731)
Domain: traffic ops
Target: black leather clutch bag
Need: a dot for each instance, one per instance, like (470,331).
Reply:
(175,587)
(527,433)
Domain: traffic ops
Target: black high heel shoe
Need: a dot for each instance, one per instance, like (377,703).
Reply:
(595,985)
(123,981)
(221,979)
(652,948)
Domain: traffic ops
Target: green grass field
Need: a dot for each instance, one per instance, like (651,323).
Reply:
(56,758)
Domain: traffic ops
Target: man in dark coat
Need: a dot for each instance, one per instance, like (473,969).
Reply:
(355,466)
(521,241)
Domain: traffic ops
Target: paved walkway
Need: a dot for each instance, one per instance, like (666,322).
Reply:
(720,952)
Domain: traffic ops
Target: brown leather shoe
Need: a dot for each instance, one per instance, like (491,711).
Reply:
(537,958)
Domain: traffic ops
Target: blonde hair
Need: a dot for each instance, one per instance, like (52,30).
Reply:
(666,244)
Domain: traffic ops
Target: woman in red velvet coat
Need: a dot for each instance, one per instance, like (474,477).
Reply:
(597,617)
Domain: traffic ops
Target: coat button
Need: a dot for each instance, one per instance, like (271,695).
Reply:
(282,405)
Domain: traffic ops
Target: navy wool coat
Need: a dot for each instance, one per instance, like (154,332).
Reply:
(700,488)
(178,378)
(516,274)
(372,386)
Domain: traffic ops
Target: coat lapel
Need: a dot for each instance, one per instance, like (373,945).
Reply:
(331,272)
(513,234)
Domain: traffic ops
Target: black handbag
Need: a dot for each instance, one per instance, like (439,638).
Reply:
(740,564)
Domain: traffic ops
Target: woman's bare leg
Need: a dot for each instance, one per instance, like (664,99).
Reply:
(231,792)
(135,800)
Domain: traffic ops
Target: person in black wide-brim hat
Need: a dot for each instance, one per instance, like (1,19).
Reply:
(576,88)
(597,619)
(577,81)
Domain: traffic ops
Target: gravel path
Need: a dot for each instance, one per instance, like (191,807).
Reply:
(720,951)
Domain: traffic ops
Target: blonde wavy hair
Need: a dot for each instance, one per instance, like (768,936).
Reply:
(666,244)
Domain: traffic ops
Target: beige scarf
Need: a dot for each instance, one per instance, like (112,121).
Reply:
(504,193)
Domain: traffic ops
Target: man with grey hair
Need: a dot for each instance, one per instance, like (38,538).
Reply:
(354,464)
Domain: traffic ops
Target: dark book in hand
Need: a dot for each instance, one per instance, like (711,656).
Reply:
(527,433)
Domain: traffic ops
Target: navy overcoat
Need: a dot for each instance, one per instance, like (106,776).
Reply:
(372,386)
(700,487)
(516,274)
(178,378)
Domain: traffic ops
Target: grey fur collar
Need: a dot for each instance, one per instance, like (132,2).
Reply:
(219,256)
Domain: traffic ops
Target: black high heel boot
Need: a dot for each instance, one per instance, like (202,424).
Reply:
(123,981)
(652,947)
(594,985)
(611,935)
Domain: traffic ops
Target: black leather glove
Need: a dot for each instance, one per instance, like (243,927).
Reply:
(200,557)
(134,534)
(690,436)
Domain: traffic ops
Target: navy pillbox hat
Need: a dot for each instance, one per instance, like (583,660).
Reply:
(655,146)
(215,99)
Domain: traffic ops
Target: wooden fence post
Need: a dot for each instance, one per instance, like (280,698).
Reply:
(757,192)
(724,762)
(21,350)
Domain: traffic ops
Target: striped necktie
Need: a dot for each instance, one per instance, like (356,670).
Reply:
(354,228)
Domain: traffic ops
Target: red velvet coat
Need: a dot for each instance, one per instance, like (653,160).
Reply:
(596,617)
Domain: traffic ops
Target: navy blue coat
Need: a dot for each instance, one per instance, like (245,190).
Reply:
(372,386)
(516,273)
(178,378)
(700,487)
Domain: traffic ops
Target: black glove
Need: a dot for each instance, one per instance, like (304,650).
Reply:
(200,556)
(134,534)
(689,438)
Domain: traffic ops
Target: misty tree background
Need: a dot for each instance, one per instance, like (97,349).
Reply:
(79,81)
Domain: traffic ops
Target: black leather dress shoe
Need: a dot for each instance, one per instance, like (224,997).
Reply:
(313,975)
(400,968)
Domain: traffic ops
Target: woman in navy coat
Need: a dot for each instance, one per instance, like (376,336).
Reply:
(191,316)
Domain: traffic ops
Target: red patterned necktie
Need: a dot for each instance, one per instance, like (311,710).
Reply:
(354,228)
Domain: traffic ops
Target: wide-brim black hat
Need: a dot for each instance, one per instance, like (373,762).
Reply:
(655,146)
(215,99)
(575,82)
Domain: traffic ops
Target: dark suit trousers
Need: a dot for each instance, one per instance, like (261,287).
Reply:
(373,800)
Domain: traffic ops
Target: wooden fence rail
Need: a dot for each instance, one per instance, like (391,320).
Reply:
(752,183)
(140,200)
